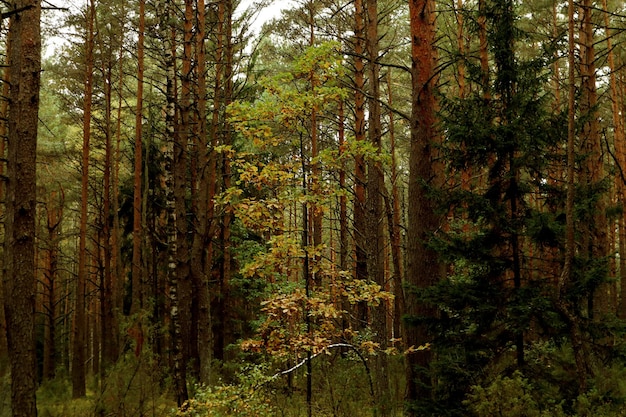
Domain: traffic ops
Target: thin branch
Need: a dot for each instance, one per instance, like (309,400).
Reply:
(8,14)
(333,346)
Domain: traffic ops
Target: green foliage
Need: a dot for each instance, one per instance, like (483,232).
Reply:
(502,137)
(511,397)
(131,387)
(547,388)
(244,398)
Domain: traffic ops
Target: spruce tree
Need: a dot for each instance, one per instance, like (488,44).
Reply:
(502,133)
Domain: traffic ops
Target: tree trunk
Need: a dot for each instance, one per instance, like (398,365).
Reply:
(218,326)
(79,341)
(173,208)
(619,136)
(19,246)
(181,182)
(200,263)
(565,279)
(374,232)
(359,160)
(55,213)
(109,348)
(394,224)
(136,273)
(116,253)
(4,108)
(316,212)
(593,171)
(423,268)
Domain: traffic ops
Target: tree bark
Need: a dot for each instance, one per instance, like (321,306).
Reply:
(79,341)
(107,320)
(596,244)
(619,136)
(374,232)
(394,224)
(136,273)
(19,245)
(200,261)
(50,284)
(423,266)
(4,109)
(180,171)
(359,159)
(565,279)
(173,207)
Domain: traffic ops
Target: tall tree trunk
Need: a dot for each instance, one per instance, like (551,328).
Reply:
(423,267)
(116,253)
(225,267)
(137,285)
(593,172)
(375,245)
(4,108)
(201,237)
(619,136)
(19,276)
(316,212)
(567,273)
(79,341)
(359,159)
(219,314)
(394,224)
(172,207)
(343,212)
(180,172)
(106,303)
(50,283)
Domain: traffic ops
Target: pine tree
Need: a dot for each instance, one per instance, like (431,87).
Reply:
(21,198)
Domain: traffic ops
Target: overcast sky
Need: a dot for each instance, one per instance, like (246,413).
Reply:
(53,18)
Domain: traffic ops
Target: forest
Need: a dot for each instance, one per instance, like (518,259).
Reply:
(370,208)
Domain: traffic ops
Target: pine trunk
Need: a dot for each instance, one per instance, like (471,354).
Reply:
(50,274)
(19,276)
(136,273)
(359,159)
(593,172)
(423,267)
(200,263)
(80,322)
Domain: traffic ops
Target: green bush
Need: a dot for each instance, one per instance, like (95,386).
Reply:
(511,397)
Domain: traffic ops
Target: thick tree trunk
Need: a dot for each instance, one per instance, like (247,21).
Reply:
(423,268)
(19,276)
